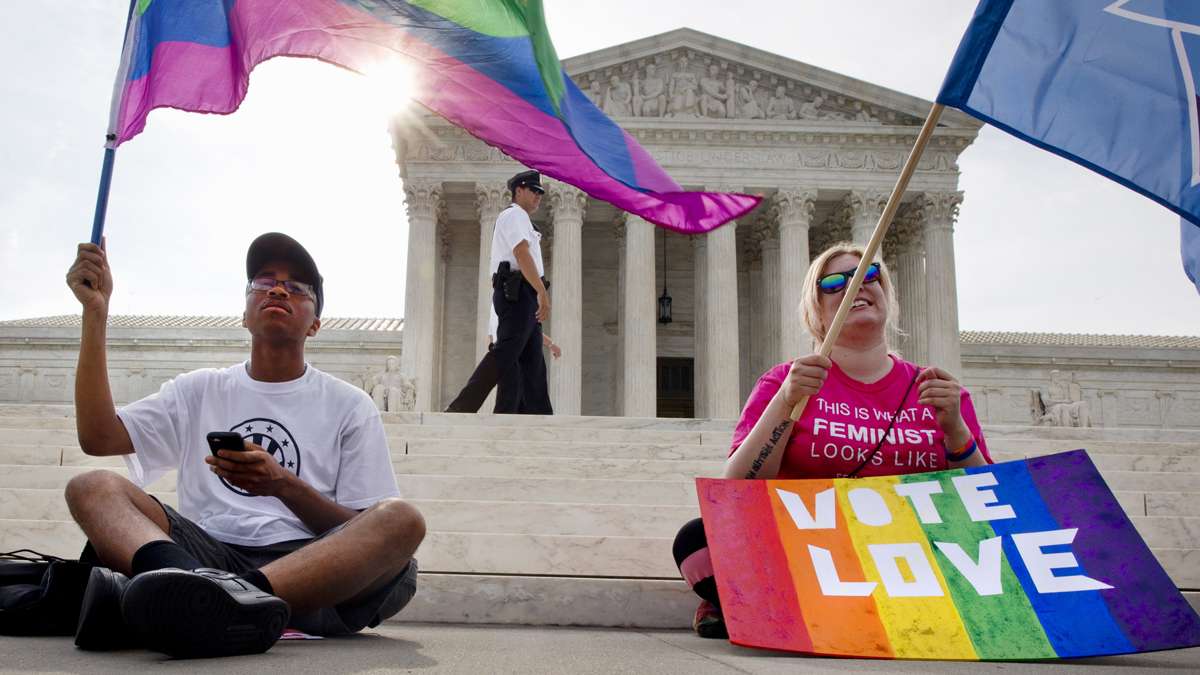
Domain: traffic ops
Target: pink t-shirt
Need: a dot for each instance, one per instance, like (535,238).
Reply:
(845,420)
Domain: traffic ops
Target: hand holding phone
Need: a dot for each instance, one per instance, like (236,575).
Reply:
(225,440)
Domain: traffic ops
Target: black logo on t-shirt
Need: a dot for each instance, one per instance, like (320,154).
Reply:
(272,437)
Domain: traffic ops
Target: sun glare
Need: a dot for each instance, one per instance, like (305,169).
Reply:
(391,85)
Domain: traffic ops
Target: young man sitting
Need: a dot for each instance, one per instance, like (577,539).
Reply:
(304,518)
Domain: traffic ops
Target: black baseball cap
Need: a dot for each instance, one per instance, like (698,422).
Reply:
(529,179)
(278,247)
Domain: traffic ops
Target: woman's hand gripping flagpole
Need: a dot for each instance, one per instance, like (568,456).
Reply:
(881,228)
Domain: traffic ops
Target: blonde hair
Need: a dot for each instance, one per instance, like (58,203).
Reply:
(810,305)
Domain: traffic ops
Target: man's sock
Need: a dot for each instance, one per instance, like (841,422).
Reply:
(163,553)
(259,580)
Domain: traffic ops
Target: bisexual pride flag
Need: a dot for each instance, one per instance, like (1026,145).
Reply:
(1022,560)
(485,65)
(1109,84)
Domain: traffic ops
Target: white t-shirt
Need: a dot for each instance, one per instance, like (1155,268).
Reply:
(513,226)
(320,428)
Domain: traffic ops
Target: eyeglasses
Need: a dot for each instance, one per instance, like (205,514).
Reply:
(834,283)
(265,284)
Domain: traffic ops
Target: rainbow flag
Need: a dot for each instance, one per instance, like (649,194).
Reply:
(485,65)
(1022,560)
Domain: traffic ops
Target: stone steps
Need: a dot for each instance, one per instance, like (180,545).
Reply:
(1035,446)
(657,461)
(569,520)
(454,552)
(554,601)
(1127,434)
(1133,488)
(581,555)
(555,519)
(35,435)
(529,517)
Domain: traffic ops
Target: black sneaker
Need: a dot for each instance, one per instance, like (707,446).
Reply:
(709,622)
(101,626)
(201,613)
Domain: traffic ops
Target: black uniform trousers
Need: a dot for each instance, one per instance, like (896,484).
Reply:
(516,357)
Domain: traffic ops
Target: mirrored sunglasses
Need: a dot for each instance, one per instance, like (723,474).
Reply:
(834,283)
(264,284)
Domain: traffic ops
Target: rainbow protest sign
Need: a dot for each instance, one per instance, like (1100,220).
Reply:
(1023,560)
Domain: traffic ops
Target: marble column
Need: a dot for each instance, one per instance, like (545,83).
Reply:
(941,294)
(489,201)
(618,382)
(638,327)
(422,200)
(700,325)
(864,207)
(909,277)
(794,209)
(765,296)
(566,307)
(722,354)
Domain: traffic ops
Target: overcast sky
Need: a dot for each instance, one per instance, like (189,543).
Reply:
(1041,244)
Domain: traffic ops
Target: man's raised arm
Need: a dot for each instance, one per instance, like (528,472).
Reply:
(99,429)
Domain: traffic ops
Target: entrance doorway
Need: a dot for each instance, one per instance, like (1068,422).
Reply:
(676,390)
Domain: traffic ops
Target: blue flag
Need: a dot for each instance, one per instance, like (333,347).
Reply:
(1189,244)
(1110,84)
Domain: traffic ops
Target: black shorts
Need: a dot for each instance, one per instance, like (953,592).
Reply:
(344,619)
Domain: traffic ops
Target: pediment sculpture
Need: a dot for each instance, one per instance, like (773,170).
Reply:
(683,84)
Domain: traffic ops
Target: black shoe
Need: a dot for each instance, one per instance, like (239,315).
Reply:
(101,626)
(205,612)
(709,622)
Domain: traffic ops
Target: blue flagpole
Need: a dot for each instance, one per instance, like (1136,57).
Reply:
(102,198)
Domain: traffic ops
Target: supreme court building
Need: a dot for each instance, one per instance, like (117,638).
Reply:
(823,149)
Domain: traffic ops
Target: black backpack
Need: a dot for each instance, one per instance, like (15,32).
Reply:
(40,594)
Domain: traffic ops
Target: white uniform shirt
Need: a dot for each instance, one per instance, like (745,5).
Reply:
(320,428)
(513,226)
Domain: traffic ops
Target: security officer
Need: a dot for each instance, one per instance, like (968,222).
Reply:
(522,303)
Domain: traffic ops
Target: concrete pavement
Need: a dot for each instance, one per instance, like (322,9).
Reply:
(455,648)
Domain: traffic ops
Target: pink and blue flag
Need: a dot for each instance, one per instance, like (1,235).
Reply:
(1109,84)
(487,66)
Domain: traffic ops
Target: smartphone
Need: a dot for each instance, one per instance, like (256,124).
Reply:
(225,440)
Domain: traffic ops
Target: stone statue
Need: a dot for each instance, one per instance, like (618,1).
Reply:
(811,110)
(730,95)
(618,102)
(747,100)
(650,95)
(1066,407)
(682,92)
(594,93)
(781,106)
(861,115)
(392,391)
(712,99)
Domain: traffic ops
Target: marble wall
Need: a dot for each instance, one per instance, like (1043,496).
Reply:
(1118,386)
(37,365)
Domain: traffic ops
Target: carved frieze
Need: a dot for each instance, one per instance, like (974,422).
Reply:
(686,84)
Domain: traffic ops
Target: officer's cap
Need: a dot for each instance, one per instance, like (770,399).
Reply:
(529,179)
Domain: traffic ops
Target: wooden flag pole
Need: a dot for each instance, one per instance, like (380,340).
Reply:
(881,228)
